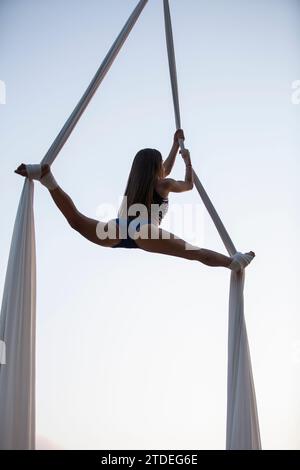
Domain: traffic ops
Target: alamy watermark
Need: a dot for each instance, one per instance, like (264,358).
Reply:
(137,221)
(2,92)
(2,353)
(295,97)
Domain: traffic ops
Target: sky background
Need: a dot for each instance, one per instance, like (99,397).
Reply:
(132,346)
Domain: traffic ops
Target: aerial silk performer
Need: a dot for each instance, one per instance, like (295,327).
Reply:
(145,203)
(137,225)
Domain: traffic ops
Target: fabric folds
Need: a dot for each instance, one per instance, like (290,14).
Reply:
(17,321)
(242,430)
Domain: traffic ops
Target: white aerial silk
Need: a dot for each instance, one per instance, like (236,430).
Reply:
(242,419)
(17,329)
(18,311)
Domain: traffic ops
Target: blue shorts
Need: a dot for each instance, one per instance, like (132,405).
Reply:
(127,241)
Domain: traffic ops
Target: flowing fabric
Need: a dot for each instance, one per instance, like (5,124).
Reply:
(242,419)
(18,311)
(17,330)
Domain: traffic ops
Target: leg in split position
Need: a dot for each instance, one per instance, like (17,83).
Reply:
(167,243)
(152,238)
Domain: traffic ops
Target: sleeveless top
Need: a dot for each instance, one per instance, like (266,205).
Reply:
(159,208)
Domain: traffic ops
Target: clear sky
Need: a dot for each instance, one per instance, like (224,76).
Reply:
(131,347)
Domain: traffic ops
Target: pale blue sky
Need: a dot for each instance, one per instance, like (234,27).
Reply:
(132,346)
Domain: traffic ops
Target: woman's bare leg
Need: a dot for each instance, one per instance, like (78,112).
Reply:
(162,241)
(156,241)
(87,227)
(167,243)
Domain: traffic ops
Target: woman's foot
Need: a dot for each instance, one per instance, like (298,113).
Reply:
(241,260)
(33,171)
(41,173)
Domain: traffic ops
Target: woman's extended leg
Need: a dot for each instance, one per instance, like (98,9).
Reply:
(152,238)
(167,243)
(87,227)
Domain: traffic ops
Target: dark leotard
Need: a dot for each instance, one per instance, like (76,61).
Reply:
(127,241)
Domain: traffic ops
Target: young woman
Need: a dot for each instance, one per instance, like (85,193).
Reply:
(148,187)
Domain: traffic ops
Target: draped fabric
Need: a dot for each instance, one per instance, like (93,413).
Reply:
(242,420)
(17,330)
(18,311)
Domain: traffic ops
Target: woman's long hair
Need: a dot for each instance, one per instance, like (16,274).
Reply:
(146,168)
